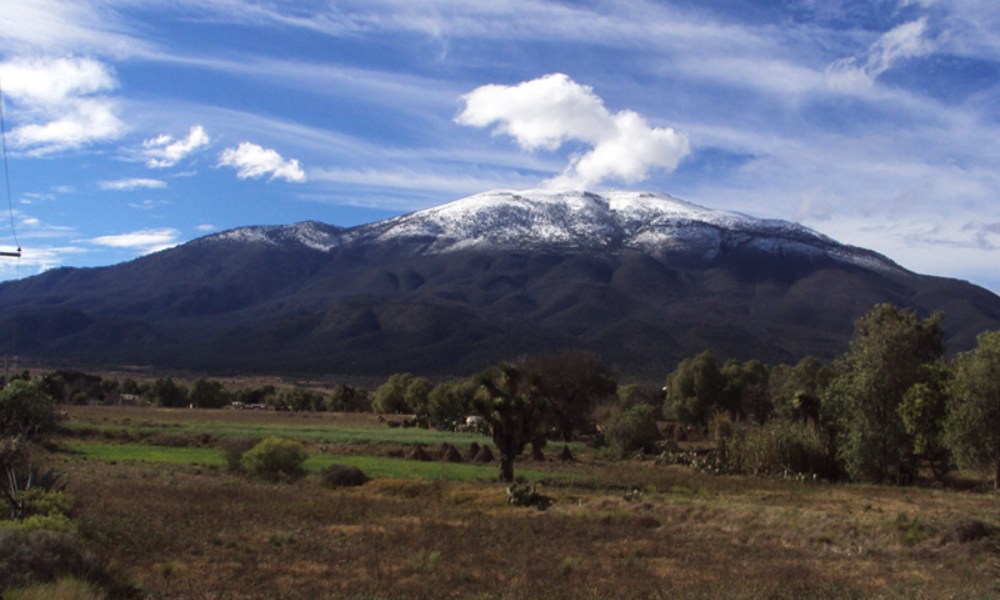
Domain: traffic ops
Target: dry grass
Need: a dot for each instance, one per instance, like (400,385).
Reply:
(195,532)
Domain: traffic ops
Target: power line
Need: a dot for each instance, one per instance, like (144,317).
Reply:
(6,172)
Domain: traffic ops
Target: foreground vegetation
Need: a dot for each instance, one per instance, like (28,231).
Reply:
(765,482)
(177,523)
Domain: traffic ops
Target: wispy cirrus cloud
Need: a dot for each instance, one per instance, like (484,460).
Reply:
(901,42)
(145,241)
(253,162)
(127,185)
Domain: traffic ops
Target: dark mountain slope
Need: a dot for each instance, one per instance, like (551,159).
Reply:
(642,279)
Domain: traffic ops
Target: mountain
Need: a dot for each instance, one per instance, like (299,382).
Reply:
(642,279)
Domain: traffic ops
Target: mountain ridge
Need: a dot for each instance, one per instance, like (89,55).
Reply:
(640,278)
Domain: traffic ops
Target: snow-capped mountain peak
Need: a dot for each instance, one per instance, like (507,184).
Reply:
(547,220)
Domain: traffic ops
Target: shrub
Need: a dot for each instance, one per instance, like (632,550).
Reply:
(778,447)
(233,450)
(41,556)
(32,492)
(275,457)
(633,430)
(26,409)
(522,493)
(67,588)
(341,476)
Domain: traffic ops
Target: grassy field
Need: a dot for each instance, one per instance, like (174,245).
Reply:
(177,524)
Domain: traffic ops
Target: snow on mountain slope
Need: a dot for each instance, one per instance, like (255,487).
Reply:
(311,234)
(649,222)
(570,221)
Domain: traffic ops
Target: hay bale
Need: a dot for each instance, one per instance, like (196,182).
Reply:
(336,476)
(566,454)
(485,455)
(473,451)
(450,454)
(417,452)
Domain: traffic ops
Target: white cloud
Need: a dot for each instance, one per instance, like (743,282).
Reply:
(63,26)
(904,41)
(149,204)
(551,110)
(147,240)
(205,228)
(252,161)
(36,259)
(125,185)
(164,151)
(60,103)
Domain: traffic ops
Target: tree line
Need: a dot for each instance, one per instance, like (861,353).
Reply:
(890,406)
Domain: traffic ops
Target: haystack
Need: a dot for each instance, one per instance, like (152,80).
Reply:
(537,454)
(450,454)
(566,454)
(485,455)
(417,452)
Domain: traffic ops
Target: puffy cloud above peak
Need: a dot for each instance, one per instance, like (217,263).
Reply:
(541,113)
(164,151)
(551,110)
(59,104)
(252,162)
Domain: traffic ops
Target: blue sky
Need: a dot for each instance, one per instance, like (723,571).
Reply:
(134,125)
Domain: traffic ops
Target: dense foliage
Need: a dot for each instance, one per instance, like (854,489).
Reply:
(973,423)
(26,409)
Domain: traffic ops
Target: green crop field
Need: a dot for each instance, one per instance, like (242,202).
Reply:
(372,465)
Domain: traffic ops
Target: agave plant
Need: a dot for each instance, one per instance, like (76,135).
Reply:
(20,482)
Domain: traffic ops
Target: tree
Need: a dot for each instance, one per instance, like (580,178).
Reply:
(300,399)
(346,398)
(746,392)
(695,390)
(26,408)
(885,359)
(633,430)
(972,427)
(796,390)
(390,397)
(207,393)
(169,394)
(924,409)
(509,402)
(572,383)
(449,403)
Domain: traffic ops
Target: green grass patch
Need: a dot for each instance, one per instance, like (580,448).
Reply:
(373,466)
(329,434)
(153,454)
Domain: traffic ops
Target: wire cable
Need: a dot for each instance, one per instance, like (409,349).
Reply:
(6,172)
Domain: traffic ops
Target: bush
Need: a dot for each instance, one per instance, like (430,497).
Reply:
(336,476)
(522,493)
(275,457)
(233,450)
(633,430)
(26,409)
(778,447)
(41,556)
